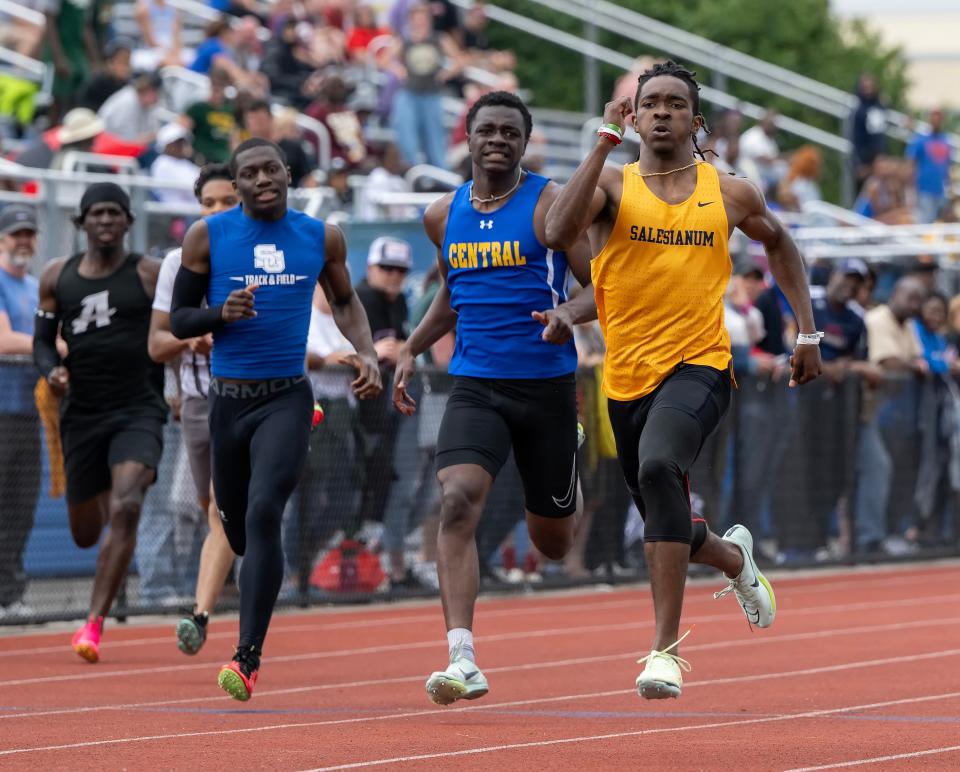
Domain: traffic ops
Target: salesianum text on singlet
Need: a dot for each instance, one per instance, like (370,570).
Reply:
(659,283)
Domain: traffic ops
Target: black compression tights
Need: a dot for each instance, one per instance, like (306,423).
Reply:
(259,447)
(655,466)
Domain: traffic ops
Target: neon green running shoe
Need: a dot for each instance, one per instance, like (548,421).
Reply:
(753,591)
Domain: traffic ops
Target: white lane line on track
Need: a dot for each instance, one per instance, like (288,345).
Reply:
(856,580)
(768,640)
(538,701)
(638,733)
(435,643)
(348,625)
(880,759)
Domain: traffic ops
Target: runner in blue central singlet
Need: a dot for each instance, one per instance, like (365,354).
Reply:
(257,265)
(514,366)
(497,273)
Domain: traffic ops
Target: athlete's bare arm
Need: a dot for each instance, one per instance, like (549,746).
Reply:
(163,345)
(559,322)
(438,320)
(149,271)
(47,325)
(747,210)
(349,314)
(591,196)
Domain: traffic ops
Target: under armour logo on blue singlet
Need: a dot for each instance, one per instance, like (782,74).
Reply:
(486,224)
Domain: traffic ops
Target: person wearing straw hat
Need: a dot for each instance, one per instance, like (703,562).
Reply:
(79,131)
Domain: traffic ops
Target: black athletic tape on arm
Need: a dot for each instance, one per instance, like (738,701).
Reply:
(45,354)
(187,319)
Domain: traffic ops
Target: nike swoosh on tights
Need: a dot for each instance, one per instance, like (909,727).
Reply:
(567,498)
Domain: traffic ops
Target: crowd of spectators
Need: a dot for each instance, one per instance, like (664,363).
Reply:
(872,449)
(909,186)
(375,77)
(866,461)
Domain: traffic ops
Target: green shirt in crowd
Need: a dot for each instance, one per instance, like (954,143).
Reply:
(212,127)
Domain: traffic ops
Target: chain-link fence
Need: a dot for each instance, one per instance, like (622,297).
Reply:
(830,472)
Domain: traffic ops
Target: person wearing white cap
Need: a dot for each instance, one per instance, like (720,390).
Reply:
(174,144)
(389,260)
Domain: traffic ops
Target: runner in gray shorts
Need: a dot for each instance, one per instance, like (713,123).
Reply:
(214,191)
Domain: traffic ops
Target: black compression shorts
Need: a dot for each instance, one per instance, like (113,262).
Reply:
(94,443)
(484,418)
(700,392)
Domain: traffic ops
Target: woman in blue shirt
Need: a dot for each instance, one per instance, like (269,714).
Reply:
(931,326)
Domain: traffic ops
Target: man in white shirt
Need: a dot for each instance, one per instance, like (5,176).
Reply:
(885,496)
(214,190)
(759,148)
(131,113)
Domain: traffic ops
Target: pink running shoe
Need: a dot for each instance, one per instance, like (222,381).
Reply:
(86,641)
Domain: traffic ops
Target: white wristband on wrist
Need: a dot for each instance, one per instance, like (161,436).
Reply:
(809,338)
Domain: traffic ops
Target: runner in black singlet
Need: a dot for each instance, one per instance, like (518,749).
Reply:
(112,411)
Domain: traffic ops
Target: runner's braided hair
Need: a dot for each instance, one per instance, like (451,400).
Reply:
(674,70)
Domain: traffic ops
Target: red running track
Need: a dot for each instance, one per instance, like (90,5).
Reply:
(862,667)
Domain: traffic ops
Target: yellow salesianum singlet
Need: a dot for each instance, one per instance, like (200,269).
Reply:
(659,283)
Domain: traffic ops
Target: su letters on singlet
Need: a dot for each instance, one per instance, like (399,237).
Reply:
(485,254)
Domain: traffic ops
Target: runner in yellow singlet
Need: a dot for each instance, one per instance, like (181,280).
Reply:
(659,228)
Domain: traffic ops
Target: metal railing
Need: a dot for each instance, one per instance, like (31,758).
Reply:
(608,55)
(854,235)
(22,12)
(199,10)
(31,69)
(731,63)
(60,191)
(822,230)
(182,87)
(320,133)
(660,36)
